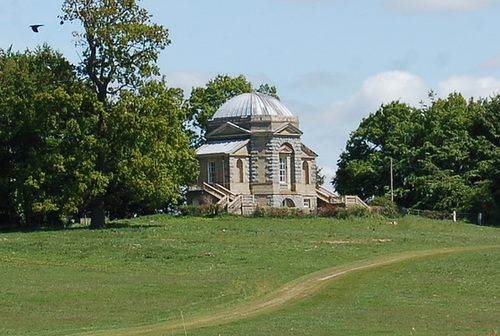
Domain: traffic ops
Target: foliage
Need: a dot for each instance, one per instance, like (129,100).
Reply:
(383,206)
(278,212)
(329,210)
(320,178)
(120,44)
(445,155)
(204,101)
(47,148)
(149,153)
(120,47)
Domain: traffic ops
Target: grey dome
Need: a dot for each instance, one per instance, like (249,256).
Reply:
(252,104)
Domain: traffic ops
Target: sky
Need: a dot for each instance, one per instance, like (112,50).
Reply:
(333,62)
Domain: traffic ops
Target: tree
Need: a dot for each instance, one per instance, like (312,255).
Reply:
(44,135)
(120,49)
(152,158)
(445,155)
(364,167)
(204,101)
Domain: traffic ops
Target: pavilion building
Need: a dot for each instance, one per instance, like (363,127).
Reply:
(254,156)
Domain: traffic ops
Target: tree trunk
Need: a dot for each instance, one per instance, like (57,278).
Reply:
(97,217)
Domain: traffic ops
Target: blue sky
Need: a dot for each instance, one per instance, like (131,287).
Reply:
(332,61)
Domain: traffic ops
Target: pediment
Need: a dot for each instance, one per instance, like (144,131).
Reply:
(229,130)
(287,129)
(308,151)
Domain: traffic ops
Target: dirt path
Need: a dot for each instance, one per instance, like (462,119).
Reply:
(291,293)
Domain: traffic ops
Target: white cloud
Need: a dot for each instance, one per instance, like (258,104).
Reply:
(470,86)
(375,91)
(406,6)
(327,128)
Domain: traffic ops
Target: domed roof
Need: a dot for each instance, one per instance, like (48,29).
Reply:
(251,104)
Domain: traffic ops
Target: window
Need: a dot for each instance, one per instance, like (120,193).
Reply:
(307,202)
(211,172)
(283,170)
(306,175)
(286,167)
(239,171)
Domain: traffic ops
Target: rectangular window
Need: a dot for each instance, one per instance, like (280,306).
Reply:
(211,172)
(307,203)
(283,164)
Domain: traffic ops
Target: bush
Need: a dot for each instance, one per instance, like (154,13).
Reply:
(328,211)
(279,212)
(211,210)
(383,206)
(189,210)
(357,211)
(260,212)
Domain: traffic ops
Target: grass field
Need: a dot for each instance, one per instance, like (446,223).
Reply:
(160,275)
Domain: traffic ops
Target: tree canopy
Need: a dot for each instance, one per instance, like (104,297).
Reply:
(446,155)
(150,157)
(120,49)
(45,135)
(103,135)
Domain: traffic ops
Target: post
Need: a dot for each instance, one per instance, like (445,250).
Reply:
(392,184)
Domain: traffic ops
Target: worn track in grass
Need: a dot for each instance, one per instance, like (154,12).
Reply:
(289,294)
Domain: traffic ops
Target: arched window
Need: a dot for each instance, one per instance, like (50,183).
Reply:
(289,203)
(306,174)
(240,173)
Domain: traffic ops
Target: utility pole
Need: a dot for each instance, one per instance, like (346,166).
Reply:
(392,184)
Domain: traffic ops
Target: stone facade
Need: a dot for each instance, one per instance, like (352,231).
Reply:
(259,157)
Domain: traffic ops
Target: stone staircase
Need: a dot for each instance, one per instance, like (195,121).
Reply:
(330,197)
(230,202)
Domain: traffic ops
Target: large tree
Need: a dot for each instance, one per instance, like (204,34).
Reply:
(151,157)
(120,49)
(445,155)
(45,135)
(205,101)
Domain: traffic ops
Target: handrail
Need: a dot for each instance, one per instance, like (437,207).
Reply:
(225,190)
(333,198)
(213,191)
(235,204)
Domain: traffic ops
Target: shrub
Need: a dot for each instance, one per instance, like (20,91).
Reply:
(280,212)
(383,206)
(189,210)
(357,211)
(211,210)
(341,212)
(329,210)
(260,212)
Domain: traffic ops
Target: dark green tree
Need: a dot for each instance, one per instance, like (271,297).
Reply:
(120,49)
(364,167)
(46,147)
(151,157)
(445,155)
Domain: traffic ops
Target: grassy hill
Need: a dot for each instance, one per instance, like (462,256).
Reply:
(160,275)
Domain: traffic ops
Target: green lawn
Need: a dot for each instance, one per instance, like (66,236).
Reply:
(146,275)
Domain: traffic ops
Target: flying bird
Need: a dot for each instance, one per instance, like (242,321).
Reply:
(35,27)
